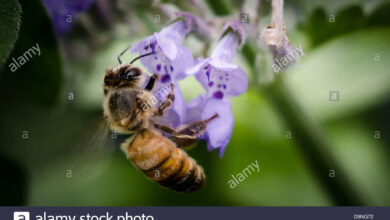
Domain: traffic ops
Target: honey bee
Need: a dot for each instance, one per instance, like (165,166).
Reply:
(128,110)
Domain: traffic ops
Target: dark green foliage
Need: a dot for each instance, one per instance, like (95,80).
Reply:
(347,20)
(39,79)
(13,184)
(322,26)
(380,16)
(317,26)
(69,158)
(10,11)
(219,7)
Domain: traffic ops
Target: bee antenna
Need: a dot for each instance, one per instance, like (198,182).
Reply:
(140,56)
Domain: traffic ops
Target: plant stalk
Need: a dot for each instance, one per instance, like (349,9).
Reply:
(314,145)
(308,134)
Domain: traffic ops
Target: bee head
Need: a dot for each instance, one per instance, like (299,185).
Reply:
(124,75)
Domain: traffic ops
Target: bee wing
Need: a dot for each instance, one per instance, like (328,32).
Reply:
(91,154)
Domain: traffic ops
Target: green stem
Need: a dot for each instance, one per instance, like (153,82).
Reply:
(314,145)
(308,134)
(250,53)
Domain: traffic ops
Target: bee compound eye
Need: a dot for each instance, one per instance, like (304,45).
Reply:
(133,72)
(121,73)
(108,79)
(108,76)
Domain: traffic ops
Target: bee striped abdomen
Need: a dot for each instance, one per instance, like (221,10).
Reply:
(164,163)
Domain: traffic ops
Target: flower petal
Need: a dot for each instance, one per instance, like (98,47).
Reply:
(220,129)
(175,32)
(61,10)
(140,47)
(221,150)
(238,82)
(221,83)
(81,5)
(196,23)
(179,105)
(172,36)
(238,27)
(183,61)
(158,63)
(200,63)
(226,49)
(203,75)
(168,46)
(170,59)
(222,65)
(194,108)
(175,115)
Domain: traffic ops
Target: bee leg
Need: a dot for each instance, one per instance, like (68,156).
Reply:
(167,103)
(169,130)
(196,128)
(189,133)
(181,141)
(142,104)
(164,128)
(151,82)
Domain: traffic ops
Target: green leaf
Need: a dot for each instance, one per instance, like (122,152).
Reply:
(331,6)
(353,65)
(363,157)
(13,184)
(380,16)
(40,77)
(10,11)
(317,26)
(54,187)
(322,26)
(260,135)
(219,7)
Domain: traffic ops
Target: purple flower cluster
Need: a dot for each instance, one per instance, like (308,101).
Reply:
(170,60)
(62,12)
(218,75)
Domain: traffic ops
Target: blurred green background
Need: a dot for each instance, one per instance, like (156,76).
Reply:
(69,158)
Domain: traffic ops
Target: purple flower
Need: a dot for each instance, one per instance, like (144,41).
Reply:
(169,61)
(221,79)
(62,12)
(220,129)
